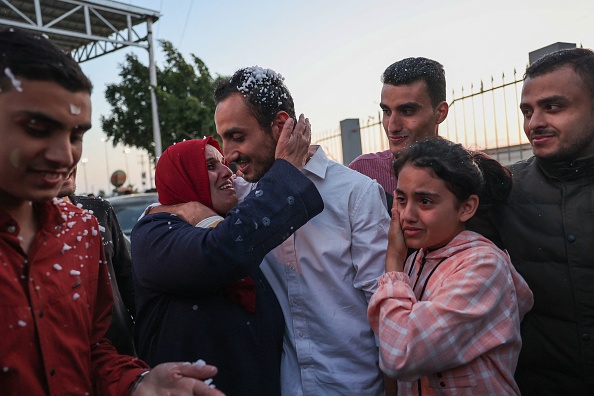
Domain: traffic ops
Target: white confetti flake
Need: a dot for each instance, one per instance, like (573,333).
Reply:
(74,272)
(74,110)
(16,83)
(199,363)
(22,323)
(75,296)
(66,248)
(57,267)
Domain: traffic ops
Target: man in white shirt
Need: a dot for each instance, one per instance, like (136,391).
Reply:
(325,273)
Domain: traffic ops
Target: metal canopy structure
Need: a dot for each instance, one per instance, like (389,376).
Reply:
(89,29)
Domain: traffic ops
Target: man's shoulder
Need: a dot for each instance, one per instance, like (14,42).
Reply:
(90,202)
(368,157)
(346,174)
(521,166)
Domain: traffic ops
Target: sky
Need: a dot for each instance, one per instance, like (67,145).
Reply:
(332,52)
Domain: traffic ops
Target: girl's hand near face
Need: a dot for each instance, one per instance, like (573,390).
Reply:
(397,249)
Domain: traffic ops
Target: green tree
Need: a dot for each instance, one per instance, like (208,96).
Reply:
(184,96)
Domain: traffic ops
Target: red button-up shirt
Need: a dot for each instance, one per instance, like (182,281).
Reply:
(55,306)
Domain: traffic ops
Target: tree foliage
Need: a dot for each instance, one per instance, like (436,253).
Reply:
(184,96)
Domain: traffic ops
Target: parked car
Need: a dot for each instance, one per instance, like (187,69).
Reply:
(128,208)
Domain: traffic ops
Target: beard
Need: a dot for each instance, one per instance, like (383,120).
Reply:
(262,162)
(571,150)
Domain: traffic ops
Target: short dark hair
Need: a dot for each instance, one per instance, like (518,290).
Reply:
(580,59)
(34,57)
(264,91)
(410,70)
(463,171)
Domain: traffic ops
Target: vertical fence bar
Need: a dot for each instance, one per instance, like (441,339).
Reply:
(518,115)
(495,117)
(473,115)
(506,120)
(484,116)
(455,121)
(464,119)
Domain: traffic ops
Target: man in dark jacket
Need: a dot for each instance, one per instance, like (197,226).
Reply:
(548,227)
(119,265)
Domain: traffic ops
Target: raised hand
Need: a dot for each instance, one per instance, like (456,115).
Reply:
(397,249)
(192,212)
(293,144)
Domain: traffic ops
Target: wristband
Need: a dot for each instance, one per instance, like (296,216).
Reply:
(134,385)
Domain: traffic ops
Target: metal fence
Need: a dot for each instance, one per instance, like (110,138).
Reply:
(486,118)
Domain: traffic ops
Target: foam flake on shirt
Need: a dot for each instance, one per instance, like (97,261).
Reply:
(75,296)
(22,323)
(57,267)
(65,248)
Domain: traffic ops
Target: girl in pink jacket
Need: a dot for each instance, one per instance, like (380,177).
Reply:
(448,317)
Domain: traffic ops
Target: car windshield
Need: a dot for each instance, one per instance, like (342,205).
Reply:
(128,209)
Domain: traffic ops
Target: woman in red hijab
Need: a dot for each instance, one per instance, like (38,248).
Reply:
(228,315)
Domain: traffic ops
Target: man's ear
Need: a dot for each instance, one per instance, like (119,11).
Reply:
(468,208)
(277,124)
(442,112)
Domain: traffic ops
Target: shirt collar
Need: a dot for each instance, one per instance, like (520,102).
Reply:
(318,163)
(568,170)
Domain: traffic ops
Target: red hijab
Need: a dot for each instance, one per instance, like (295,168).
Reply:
(181,176)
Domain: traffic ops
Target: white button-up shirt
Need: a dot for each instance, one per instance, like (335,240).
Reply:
(324,276)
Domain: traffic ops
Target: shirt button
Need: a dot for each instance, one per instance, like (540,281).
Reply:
(439,375)
(266,221)
(290,200)
(585,337)
(571,238)
(40,314)
(11,229)
(442,384)
(52,372)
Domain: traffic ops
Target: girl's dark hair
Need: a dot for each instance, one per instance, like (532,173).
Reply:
(464,172)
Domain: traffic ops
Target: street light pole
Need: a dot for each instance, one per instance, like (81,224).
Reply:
(127,151)
(104,140)
(84,164)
